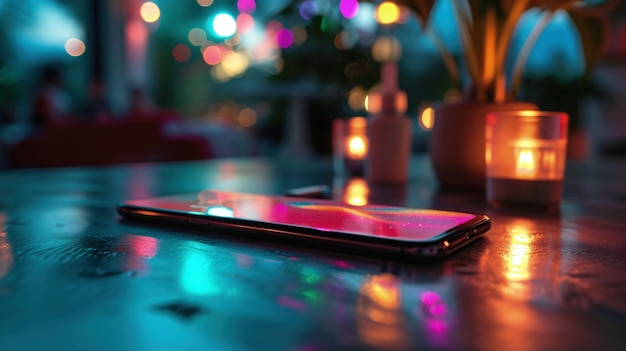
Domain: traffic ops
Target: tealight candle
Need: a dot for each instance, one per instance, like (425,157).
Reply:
(525,157)
(350,145)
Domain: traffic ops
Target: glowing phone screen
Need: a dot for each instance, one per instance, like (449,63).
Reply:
(324,215)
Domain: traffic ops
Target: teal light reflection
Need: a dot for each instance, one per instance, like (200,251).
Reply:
(198,274)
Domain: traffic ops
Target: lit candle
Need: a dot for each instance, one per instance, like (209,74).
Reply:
(525,157)
(350,144)
(356,148)
(525,167)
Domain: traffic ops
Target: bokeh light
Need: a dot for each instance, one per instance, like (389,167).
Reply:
(299,35)
(427,118)
(276,66)
(212,55)
(364,19)
(196,36)
(235,64)
(308,9)
(264,51)
(224,25)
(233,41)
(247,117)
(246,6)
(205,3)
(387,13)
(284,38)
(349,8)
(245,23)
(181,53)
(74,47)
(345,40)
(386,49)
(356,98)
(273,27)
(136,34)
(150,12)
(218,74)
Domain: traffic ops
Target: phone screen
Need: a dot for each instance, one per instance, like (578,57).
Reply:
(398,223)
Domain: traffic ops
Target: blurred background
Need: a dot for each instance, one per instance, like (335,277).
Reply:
(93,82)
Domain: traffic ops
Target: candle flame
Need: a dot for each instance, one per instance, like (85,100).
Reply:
(525,163)
(357,147)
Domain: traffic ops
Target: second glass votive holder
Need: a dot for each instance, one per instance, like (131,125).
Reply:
(525,154)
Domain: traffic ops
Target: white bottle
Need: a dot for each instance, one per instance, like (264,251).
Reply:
(389,131)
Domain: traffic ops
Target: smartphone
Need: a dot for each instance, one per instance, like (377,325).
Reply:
(393,232)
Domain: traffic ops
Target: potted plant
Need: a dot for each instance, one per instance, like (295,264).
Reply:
(486,28)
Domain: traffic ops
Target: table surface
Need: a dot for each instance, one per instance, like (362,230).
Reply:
(75,277)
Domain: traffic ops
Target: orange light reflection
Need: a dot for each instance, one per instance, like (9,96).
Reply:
(379,315)
(356,192)
(517,262)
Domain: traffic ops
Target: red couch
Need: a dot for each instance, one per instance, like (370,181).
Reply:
(106,143)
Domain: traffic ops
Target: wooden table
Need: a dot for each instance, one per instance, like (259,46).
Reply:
(74,277)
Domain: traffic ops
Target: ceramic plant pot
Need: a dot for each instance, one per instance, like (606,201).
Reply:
(457,142)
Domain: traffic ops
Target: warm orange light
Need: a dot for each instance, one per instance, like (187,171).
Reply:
(517,261)
(74,47)
(386,49)
(357,147)
(356,142)
(387,13)
(150,12)
(526,164)
(379,317)
(205,3)
(247,117)
(356,98)
(384,289)
(235,64)
(427,118)
(356,192)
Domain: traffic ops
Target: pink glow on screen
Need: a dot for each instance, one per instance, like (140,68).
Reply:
(381,221)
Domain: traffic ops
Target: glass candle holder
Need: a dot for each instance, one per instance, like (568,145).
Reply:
(350,145)
(525,157)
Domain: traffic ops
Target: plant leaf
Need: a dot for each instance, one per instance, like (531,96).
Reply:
(593,35)
(421,8)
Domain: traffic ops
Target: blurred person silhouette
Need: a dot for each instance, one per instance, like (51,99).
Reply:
(97,107)
(53,105)
(140,105)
